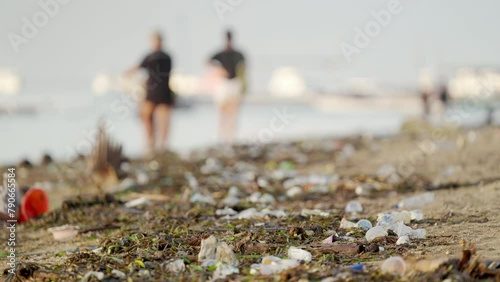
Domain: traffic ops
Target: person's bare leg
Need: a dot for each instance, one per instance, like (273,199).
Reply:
(147,110)
(232,110)
(222,121)
(163,121)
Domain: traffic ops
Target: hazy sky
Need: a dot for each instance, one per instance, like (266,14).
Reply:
(86,37)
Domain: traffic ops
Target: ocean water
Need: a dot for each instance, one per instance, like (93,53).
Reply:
(64,125)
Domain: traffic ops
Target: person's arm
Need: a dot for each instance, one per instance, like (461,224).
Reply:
(136,68)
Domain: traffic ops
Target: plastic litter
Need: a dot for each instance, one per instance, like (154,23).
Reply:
(355,267)
(96,274)
(330,239)
(347,151)
(258,197)
(346,224)
(175,266)
(118,274)
(299,254)
(223,271)
(417,201)
(308,212)
(208,249)
(394,265)
(402,230)
(225,254)
(193,183)
(231,201)
(386,220)
(375,232)
(272,265)
(253,213)
(416,215)
(142,178)
(364,223)
(212,252)
(294,192)
(139,202)
(366,189)
(403,240)
(353,207)
(199,198)
(64,233)
(225,211)
(211,165)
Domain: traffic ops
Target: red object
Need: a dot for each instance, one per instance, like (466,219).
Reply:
(35,203)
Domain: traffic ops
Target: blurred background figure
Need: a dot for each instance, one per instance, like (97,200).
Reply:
(444,97)
(426,108)
(230,65)
(157,106)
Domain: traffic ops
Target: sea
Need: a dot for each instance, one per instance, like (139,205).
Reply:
(64,124)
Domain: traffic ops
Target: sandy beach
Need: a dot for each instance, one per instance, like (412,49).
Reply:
(186,201)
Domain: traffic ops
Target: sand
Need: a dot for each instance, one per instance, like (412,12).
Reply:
(462,168)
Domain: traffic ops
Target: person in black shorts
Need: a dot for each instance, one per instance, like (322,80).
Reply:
(159,97)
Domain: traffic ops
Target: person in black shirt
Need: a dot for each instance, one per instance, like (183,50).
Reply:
(159,97)
(230,91)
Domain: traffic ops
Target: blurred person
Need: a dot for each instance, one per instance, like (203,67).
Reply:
(157,106)
(426,107)
(230,67)
(444,97)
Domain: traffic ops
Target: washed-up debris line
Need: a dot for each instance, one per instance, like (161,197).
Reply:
(246,213)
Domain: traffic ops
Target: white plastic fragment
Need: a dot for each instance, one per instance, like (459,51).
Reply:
(142,201)
(272,265)
(64,232)
(364,223)
(403,240)
(225,211)
(375,232)
(353,207)
(176,266)
(258,197)
(96,274)
(346,224)
(308,212)
(199,198)
(212,252)
(208,249)
(416,215)
(223,271)
(225,254)
(299,254)
(294,192)
(231,201)
(253,213)
(402,230)
(329,240)
(118,274)
(394,265)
